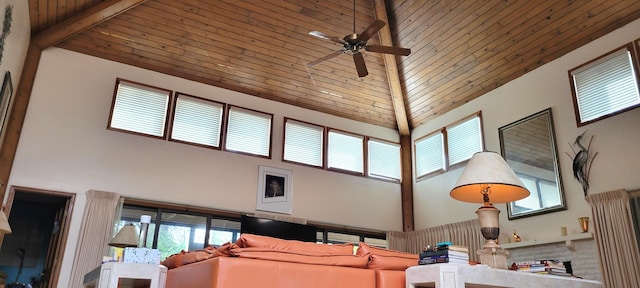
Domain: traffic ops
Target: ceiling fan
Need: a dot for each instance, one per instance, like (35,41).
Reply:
(354,43)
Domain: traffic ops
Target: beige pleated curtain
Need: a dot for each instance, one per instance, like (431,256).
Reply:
(95,234)
(615,239)
(466,233)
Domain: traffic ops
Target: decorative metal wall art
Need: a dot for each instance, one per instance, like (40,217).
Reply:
(582,159)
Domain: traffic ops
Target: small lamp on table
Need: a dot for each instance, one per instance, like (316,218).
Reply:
(126,237)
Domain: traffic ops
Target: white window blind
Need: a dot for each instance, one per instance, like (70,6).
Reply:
(429,153)
(345,151)
(248,132)
(606,86)
(141,109)
(197,121)
(303,143)
(384,159)
(464,140)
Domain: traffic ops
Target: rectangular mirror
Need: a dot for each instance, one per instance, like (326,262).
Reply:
(529,147)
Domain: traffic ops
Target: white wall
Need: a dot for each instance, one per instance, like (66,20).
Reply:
(65,146)
(615,139)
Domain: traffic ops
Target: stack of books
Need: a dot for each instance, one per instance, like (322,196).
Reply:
(445,254)
(554,267)
(537,266)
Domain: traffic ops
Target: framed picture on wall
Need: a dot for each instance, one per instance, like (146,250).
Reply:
(274,190)
(5,99)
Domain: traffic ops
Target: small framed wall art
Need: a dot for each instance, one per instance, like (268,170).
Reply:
(5,99)
(274,190)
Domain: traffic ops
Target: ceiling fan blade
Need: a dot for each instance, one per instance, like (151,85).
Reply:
(388,50)
(326,37)
(334,54)
(358,59)
(372,29)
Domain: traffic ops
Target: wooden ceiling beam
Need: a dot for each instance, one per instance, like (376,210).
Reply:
(397,98)
(95,15)
(393,76)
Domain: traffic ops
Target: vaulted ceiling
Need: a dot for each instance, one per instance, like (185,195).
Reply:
(460,49)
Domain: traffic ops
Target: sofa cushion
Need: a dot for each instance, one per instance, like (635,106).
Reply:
(184,257)
(269,248)
(174,260)
(306,248)
(265,253)
(385,259)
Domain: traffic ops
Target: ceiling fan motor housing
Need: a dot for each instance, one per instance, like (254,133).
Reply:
(352,44)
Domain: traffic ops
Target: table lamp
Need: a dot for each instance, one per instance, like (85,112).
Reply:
(126,237)
(488,179)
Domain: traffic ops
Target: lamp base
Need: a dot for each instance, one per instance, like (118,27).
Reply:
(494,257)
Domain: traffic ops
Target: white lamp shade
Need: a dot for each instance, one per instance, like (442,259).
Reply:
(126,237)
(4,223)
(488,169)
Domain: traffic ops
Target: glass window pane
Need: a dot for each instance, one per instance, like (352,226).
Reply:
(303,143)
(178,232)
(533,200)
(339,238)
(223,231)
(141,109)
(248,132)
(345,151)
(606,86)
(384,159)
(376,242)
(429,154)
(197,121)
(464,140)
(549,193)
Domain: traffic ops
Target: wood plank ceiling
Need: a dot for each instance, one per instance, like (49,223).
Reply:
(460,49)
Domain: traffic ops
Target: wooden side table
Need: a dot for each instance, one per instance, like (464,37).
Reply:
(119,274)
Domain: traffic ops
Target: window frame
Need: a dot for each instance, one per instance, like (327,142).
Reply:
(446,138)
(364,153)
(210,213)
(325,152)
(157,209)
(445,161)
(632,48)
(445,142)
(323,145)
(226,132)
(222,123)
(368,162)
(169,122)
(170,98)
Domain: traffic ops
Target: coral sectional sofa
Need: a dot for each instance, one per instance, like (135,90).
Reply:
(259,261)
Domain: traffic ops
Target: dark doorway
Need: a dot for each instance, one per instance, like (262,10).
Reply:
(32,253)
